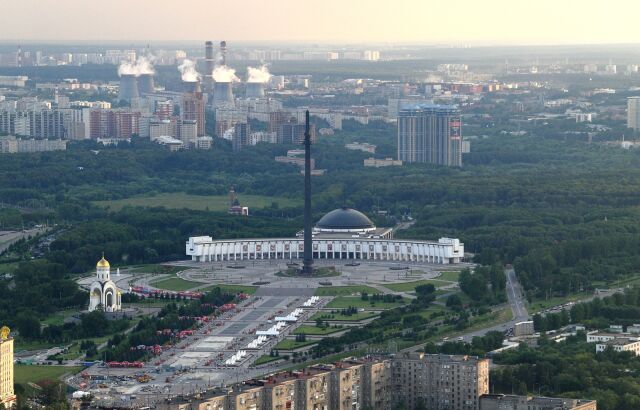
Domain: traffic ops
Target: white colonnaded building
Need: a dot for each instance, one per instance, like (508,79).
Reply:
(104,293)
(343,233)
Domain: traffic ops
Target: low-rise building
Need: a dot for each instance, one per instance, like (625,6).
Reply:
(620,344)
(513,402)
(173,144)
(377,163)
(523,328)
(600,337)
(12,145)
(361,146)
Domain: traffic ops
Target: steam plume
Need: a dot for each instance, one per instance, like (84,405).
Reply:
(142,65)
(224,74)
(188,71)
(258,74)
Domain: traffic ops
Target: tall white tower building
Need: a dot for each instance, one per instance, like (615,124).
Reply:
(633,113)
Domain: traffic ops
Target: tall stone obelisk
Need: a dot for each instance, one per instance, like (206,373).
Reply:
(307,264)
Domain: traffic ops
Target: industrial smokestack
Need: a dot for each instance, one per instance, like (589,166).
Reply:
(254,90)
(223,52)
(223,94)
(128,87)
(209,65)
(191,86)
(145,84)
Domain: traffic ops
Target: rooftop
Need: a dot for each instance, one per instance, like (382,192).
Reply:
(345,219)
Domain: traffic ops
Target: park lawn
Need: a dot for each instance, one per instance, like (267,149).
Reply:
(249,290)
(314,330)
(440,292)
(291,344)
(343,302)
(20,344)
(31,373)
(156,268)
(58,317)
(338,317)
(411,286)
(345,290)
(266,359)
(450,275)
(73,352)
(433,308)
(8,267)
(181,200)
(177,284)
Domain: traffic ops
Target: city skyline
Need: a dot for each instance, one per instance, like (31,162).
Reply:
(493,22)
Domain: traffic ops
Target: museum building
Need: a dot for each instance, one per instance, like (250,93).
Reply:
(343,233)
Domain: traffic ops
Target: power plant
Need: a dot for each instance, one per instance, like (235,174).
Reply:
(254,90)
(223,53)
(223,94)
(128,87)
(191,86)
(209,65)
(145,84)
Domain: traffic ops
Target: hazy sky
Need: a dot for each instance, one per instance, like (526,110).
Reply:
(338,21)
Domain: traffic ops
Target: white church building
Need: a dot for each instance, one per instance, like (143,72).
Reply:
(103,292)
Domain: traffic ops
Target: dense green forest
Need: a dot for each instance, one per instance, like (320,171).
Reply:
(564,212)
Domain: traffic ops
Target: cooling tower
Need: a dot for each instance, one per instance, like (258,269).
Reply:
(209,65)
(145,84)
(254,90)
(128,87)
(191,86)
(222,94)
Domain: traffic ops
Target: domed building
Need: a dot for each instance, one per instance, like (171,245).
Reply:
(344,220)
(343,233)
(103,293)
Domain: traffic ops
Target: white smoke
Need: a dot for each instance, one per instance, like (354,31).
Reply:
(188,71)
(143,65)
(258,74)
(224,74)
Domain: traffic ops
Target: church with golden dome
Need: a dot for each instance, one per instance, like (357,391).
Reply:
(103,292)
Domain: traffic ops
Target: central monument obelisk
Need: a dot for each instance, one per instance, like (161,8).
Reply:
(307,263)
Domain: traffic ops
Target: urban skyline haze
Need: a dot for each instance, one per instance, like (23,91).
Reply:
(460,22)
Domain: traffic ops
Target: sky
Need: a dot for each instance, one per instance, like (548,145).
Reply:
(452,22)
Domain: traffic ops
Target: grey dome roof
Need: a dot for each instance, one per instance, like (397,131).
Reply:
(344,218)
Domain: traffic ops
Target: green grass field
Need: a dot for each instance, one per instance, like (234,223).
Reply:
(290,344)
(180,200)
(249,290)
(155,268)
(343,318)
(343,302)
(58,317)
(8,267)
(411,286)
(345,290)
(266,359)
(25,374)
(177,284)
(452,276)
(314,330)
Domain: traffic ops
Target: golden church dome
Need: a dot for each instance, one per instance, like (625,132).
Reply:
(103,263)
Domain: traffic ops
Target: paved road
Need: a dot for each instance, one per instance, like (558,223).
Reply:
(518,308)
(516,296)
(8,238)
